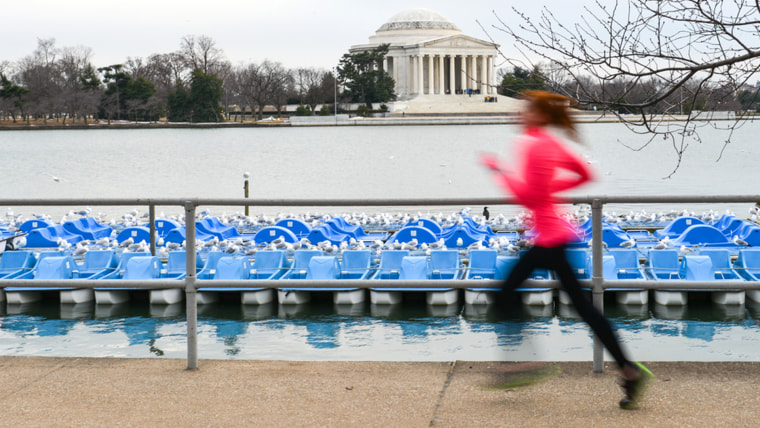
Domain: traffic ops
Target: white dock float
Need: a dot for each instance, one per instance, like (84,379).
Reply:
(753,295)
(111,297)
(442,298)
(349,297)
(78,295)
(537,298)
(632,297)
(22,297)
(167,296)
(257,297)
(670,297)
(479,296)
(293,297)
(728,297)
(205,297)
(378,297)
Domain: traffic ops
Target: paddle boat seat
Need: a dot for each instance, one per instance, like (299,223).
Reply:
(15,263)
(356,264)
(269,265)
(49,236)
(98,263)
(88,227)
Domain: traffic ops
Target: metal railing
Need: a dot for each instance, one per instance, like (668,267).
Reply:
(190,283)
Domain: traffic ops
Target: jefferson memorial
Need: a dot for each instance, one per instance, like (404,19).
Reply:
(437,69)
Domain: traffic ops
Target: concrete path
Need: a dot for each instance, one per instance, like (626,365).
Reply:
(99,392)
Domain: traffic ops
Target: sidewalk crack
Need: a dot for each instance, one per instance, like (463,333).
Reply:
(449,377)
(35,380)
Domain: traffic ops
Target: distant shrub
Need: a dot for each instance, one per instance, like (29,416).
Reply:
(362,110)
(303,110)
(324,111)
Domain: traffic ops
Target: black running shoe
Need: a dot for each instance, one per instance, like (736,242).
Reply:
(636,389)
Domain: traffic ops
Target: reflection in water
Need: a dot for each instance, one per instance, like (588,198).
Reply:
(411,331)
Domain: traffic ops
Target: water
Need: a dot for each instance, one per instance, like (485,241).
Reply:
(409,332)
(359,162)
(350,162)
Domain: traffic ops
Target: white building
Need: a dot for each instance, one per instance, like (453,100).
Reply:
(437,69)
(429,55)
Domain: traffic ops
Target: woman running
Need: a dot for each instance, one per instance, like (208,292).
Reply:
(544,167)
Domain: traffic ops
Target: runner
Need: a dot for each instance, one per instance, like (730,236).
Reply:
(544,167)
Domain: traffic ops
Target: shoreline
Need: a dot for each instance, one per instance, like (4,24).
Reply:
(340,120)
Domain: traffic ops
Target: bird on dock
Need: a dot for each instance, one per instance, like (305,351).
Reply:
(80,249)
(629,243)
(486,214)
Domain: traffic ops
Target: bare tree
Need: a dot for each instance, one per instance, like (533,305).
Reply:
(262,84)
(650,58)
(79,94)
(40,74)
(201,53)
(308,84)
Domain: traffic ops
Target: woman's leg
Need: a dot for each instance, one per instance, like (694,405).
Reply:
(599,324)
(519,273)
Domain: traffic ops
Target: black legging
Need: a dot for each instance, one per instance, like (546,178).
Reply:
(554,258)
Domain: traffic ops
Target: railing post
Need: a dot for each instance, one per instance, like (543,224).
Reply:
(152,220)
(190,290)
(597,276)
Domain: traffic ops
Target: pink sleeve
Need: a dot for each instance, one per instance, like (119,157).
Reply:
(570,162)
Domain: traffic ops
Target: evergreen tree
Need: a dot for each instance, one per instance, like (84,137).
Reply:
(206,92)
(512,84)
(364,79)
(179,105)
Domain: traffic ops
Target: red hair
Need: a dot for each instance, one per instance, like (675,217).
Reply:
(554,108)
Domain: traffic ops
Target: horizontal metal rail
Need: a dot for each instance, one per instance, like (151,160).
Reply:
(443,284)
(191,284)
(588,199)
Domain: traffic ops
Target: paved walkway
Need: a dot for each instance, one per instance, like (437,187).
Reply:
(60,392)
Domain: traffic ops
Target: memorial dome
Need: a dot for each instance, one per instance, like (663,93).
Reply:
(418,19)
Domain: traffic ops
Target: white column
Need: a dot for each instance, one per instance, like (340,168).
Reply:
(463,69)
(441,71)
(385,64)
(470,60)
(488,74)
(420,76)
(483,80)
(431,74)
(489,69)
(452,77)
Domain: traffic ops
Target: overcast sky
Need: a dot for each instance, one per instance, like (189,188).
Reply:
(297,33)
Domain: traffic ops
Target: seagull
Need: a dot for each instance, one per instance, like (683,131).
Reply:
(127,242)
(80,249)
(436,245)
(686,250)
(629,243)
(55,178)
(740,241)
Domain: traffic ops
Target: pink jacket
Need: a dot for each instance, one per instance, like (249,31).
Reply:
(545,167)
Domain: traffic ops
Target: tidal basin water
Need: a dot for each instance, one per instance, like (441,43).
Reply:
(407,332)
(361,162)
